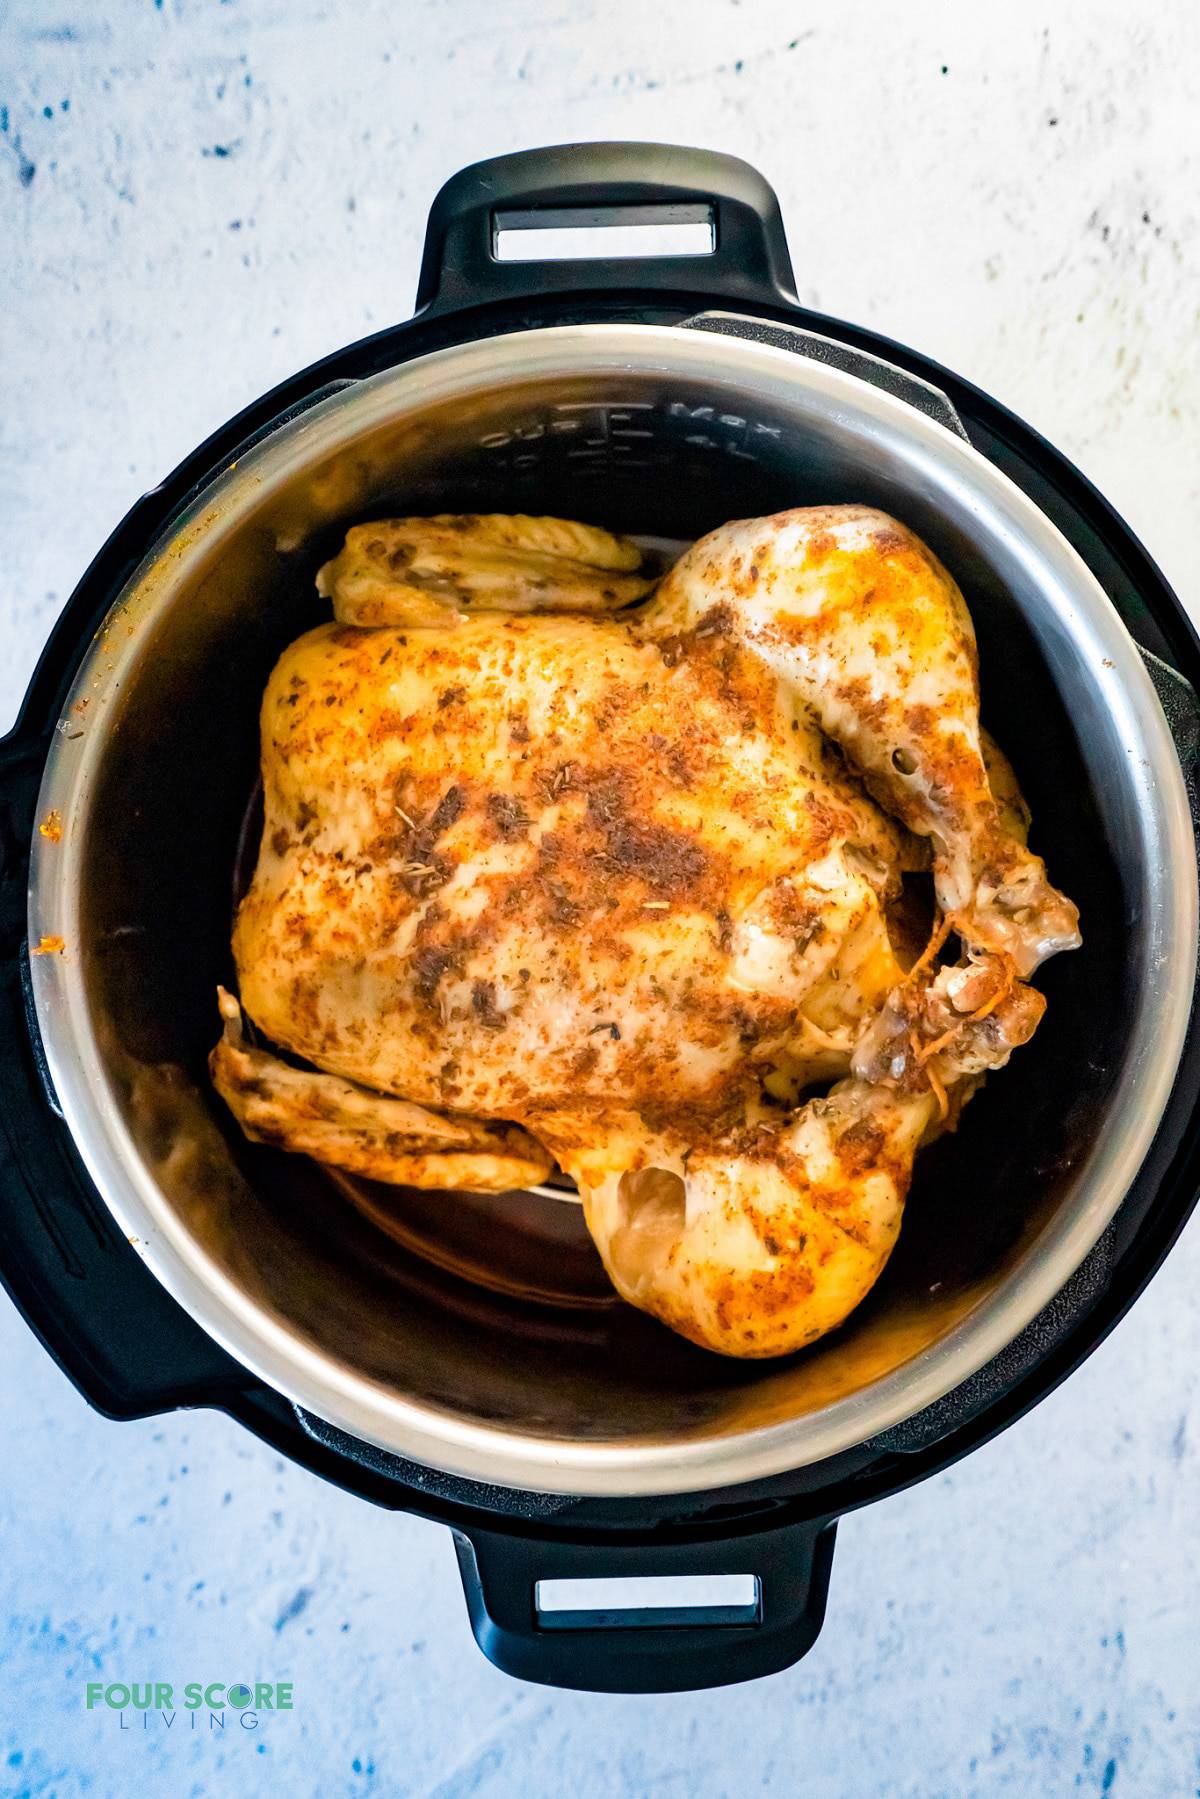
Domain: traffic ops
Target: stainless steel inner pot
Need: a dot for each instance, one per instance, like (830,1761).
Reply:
(536,1378)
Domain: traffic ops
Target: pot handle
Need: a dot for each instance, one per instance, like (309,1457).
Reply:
(604,185)
(534,1616)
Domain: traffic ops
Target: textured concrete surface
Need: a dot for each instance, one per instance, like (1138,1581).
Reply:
(198,198)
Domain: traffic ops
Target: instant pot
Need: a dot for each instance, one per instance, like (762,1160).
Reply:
(463,1357)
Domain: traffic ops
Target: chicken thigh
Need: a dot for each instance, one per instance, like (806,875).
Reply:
(615,886)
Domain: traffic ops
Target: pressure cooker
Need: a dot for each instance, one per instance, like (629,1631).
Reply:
(462,1356)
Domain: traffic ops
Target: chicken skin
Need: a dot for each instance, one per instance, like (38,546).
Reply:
(547,876)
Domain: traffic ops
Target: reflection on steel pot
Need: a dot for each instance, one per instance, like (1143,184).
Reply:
(468,1361)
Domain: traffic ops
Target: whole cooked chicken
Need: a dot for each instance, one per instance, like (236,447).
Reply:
(566,864)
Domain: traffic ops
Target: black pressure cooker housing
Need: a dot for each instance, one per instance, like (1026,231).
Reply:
(134,1352)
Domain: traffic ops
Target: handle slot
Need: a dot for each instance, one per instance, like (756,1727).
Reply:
(593,233)
(647,1601)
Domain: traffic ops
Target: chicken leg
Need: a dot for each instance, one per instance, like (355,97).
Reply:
(867,629)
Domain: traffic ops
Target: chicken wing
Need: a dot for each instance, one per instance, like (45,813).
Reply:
(351,1127)
(429,571)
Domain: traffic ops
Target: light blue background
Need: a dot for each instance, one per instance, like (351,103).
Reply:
(199,197)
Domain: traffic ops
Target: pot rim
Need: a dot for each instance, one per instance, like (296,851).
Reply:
(366,1408)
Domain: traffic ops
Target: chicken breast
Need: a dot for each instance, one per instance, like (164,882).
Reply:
(535,860)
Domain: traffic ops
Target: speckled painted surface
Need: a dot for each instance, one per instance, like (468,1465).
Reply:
(199,197)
